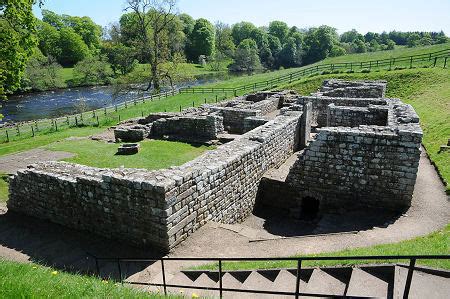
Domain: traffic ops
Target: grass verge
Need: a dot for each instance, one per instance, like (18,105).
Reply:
(20,280)
(434,243)
(3,187)
(154,154)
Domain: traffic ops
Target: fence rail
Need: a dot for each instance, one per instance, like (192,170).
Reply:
(30,129)
(298,260)
(433,59)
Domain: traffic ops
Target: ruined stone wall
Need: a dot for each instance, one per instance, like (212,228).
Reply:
(320,105)
(365,166)
(158,208)
(233,118)
(353,89)
(344,116)
(193,127)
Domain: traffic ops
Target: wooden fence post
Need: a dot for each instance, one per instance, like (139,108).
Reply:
(32,131)
(7,136)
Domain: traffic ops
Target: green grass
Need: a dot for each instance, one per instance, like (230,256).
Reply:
(3,187)
(434,243)
(154,154)
(20,280)
(427,90)
(379,55)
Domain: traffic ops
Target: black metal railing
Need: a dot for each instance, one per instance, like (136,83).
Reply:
(298,260)
(431,57)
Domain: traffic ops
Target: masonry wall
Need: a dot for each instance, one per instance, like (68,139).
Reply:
(320,105)
(158,208)
(344,116)
(193,127)
(347,168)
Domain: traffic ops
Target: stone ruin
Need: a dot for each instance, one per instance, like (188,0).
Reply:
(345,147)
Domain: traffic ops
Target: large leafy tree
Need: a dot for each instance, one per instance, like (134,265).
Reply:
(224,40)
(246,56)
(319,43)
(279,29)
(241,31)
(202,39)
(17,39)
(153,19)
(73,48)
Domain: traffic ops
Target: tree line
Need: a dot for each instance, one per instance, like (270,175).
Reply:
(152,33)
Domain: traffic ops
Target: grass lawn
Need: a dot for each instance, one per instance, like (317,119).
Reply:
(435,243)
(24,280)
(3,188)
(154,154)
(427,90)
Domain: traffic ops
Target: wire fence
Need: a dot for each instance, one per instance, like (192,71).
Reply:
(115,113)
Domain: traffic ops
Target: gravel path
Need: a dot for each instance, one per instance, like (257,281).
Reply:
(11,163)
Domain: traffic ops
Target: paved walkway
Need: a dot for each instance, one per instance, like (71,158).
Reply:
(11,163)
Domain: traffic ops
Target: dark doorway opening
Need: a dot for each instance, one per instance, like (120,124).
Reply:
(309,208)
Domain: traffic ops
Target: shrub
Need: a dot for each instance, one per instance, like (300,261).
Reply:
(349,71)
(325,72)
(365,71)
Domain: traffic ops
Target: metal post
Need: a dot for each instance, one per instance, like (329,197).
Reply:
(180,108)
(120,270)
(163,277)
(7,136)
(119,117)
(435,60)
(32,131)
(297,279)
(445,62)
(98,123)
(220,279)
(76,121)
(105,110)
(412,264)
(68,123)
(56,126)
(205,100)
(193,104)
(142,113)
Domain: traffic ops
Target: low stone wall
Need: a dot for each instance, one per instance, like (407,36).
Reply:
(320,105)
(344,116)
(158,208)
(253,122)
(353,89)
(189,128)
(233,118)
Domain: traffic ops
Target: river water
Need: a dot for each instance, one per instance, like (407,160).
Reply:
(50,104)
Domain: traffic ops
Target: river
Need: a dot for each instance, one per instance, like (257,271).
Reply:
(50,104)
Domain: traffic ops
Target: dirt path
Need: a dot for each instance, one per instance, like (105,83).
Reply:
(11,163)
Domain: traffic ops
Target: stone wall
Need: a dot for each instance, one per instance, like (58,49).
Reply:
(188,128)
(345,116)
(353,89)
(158,208)
(320,105)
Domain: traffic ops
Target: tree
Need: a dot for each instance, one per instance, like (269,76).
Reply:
(86,28)
(337,51)
(153,18)
(93,70)
(48,39)
(188,23)
(359,46)
(246,57)
(17,39)
(73,48)
(413,40)
(440,38)
(224,40)
(319,42)
(42,73)
(121,57)
(279,29)
(202,39)
(241,31)
(390,45)
(351,36)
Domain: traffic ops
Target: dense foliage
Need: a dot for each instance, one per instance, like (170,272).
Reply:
(152,34)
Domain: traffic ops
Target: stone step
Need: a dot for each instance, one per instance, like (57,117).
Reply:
(423,285)
(322,282)
(364,284)
(259,280)
(180,279)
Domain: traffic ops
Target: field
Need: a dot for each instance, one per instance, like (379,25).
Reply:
(26,280)
(154,154)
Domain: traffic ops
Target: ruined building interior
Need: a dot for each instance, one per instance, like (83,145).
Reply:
(345,147)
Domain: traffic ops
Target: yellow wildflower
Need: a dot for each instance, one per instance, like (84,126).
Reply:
(105,281)
(194,295)
(34,267)
(54,272)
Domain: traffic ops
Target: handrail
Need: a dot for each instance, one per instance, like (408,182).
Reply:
(412,262)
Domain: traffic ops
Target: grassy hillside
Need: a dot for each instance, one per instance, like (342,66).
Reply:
(3,188)
(427,90)
(379,55)
(19,280)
